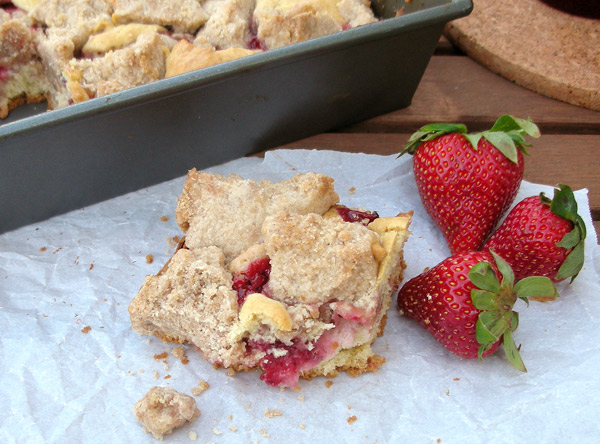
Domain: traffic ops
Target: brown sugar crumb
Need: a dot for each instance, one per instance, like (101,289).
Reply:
(160,356)
(456,379)
(200,388)
(149,258)
(179,353)
(91,266)
(328,383)
(164,218)
(352,419)
(352,190)
(43,249)
(164,409)
(272,413)
(173,241)
(167,377)
(85,330)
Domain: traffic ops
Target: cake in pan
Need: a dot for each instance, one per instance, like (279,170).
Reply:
(69,51)
(277,277)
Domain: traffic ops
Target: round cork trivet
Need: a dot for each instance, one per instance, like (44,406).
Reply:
(536,46)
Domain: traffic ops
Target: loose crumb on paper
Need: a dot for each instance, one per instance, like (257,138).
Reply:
(200,388)
(164,218)
(272,413)
(85,330)
(264,433)
(179,353)
(328,383)
(352,419)
(149,258)
(163,409)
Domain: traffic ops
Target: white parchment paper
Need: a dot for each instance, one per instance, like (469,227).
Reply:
(59,384)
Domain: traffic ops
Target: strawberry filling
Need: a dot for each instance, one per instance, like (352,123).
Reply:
(283,364)
(252,280)
(364,217)
(282,368)
(4,74)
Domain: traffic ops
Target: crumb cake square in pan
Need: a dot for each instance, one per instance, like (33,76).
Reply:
(276,277)
(68,51)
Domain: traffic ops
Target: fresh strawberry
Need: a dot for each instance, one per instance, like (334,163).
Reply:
(466,303)
(467,181)
(542,237)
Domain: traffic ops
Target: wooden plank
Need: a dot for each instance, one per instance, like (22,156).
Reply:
(554,159)
(458,89)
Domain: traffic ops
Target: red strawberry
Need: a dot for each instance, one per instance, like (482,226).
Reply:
(465,189)
(542,237)
(466,303)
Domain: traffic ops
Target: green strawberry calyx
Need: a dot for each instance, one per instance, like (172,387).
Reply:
(506,135)
(564,205)
(495,301)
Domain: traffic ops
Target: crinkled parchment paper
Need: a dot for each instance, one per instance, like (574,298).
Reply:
(71,368)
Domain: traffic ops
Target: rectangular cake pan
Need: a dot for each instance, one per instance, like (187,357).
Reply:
(53,162)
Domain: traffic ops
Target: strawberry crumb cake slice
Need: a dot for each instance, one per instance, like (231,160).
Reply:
(307,297)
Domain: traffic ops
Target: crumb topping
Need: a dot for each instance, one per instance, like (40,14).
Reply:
(163,409)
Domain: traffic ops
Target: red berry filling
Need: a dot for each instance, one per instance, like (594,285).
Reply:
(283,364)
(4,75)
(364,217)
(284,370)
(253,279)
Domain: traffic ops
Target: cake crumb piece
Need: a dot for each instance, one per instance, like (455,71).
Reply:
(201,387)
(164,409)
(230,372)
(43,249)
(232,428)
(302,426)
(352,419)
(216,431)
(328,383)
(160,356)
(272,413)
(149,258)
(179,353)
(164,218)
(264,433)
(352,190)
(193,436)
(85,330)
(230,417)
(301,398)
(156,376)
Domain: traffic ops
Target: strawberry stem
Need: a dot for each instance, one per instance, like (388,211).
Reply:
(564,205)
(495,301)
(506,135)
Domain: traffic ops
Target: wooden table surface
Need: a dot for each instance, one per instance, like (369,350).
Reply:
(455,88)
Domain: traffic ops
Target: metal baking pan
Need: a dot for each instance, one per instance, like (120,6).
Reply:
(53,162)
